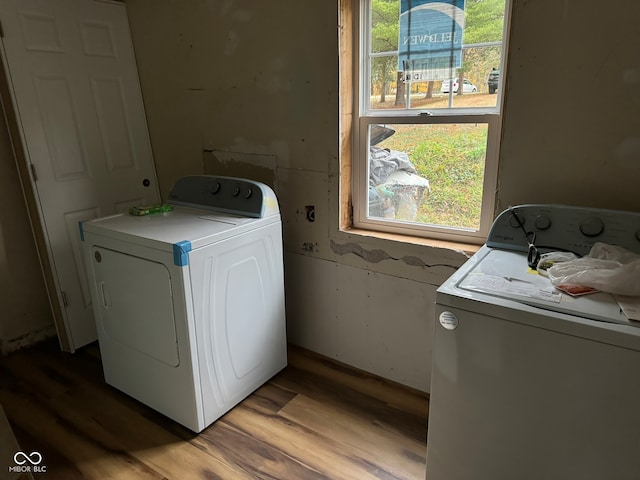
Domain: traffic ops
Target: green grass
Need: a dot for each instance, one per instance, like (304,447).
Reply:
(452,158)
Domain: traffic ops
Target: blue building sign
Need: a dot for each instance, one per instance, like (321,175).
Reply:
(430,39)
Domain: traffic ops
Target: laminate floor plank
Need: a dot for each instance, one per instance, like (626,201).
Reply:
(64,468)
(173,455)
(318,453)
(398,396)
(272,397)
(402,457)
(92,456)
(316,420)
(352,399)
(257,457)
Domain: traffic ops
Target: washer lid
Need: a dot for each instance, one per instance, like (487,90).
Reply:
(505,274)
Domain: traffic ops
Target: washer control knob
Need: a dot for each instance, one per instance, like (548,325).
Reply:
(592,226)
(543,222)
(236,191)
(248,193)
(216,188)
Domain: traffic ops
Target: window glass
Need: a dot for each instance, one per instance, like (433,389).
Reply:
(449,156)
(429,103)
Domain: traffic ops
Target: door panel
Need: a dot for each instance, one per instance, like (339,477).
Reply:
(76,95)
(135,309)
(60,128)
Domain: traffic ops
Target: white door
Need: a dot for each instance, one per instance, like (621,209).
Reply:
(76,94)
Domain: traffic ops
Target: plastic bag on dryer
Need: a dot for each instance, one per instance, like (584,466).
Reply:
(607,268)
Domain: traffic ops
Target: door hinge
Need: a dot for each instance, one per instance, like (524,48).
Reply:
(64,299)
(34,175)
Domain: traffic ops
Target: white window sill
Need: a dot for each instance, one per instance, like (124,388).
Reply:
(467,249)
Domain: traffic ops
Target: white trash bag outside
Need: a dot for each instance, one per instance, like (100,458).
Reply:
(607,268)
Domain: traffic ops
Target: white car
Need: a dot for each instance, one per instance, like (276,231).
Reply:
(467,88)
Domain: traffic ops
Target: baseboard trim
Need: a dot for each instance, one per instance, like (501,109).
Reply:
(26,340)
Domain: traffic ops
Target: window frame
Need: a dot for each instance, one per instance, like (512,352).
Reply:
(363,117)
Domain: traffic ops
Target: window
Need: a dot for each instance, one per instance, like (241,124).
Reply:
(428,101)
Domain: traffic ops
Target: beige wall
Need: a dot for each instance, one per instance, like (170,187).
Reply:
(572,123)
(251,88)
(25,315)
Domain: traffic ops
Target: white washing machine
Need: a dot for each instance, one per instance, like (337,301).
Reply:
(189,304)
(529,382)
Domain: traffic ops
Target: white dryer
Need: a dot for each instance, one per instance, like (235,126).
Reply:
(189,304)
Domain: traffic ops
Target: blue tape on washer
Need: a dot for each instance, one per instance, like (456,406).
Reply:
(181,253)
(81,227)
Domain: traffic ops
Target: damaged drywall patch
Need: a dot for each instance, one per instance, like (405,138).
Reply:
(371,256)
(378,255)
(309,247)
(255,166)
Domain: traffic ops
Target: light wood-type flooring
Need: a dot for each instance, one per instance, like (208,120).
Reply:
(316,419)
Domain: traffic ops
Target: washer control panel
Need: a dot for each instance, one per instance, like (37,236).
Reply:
(563,227)
(238,196)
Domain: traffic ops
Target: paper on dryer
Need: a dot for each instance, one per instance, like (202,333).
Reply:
(630,306)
